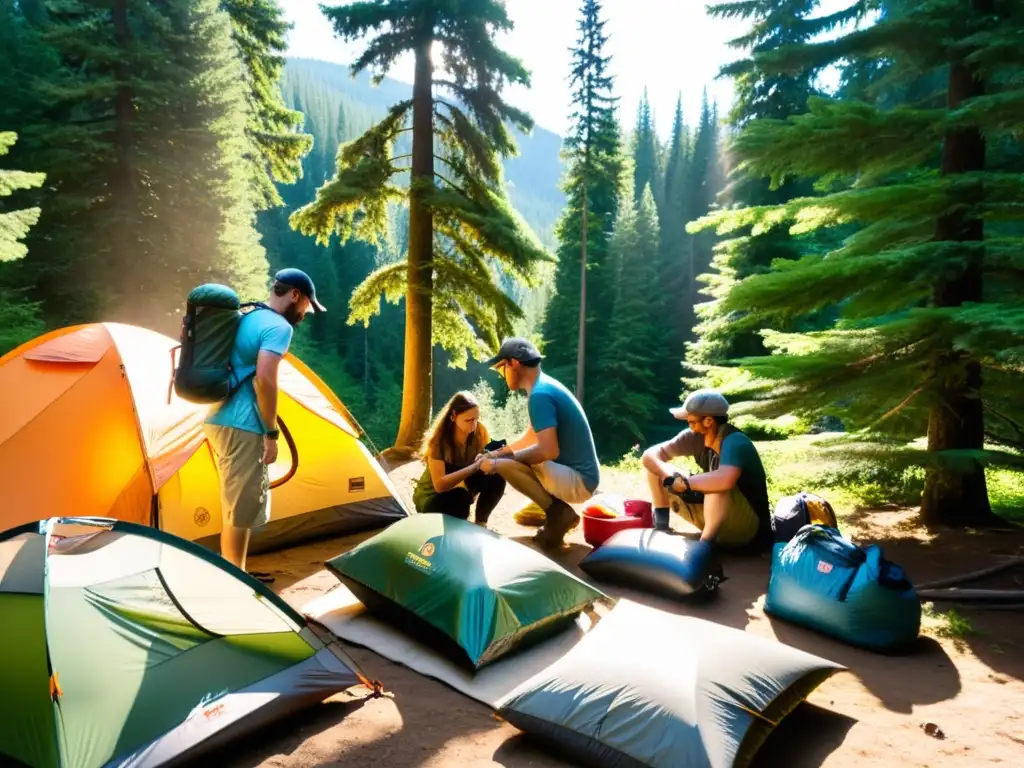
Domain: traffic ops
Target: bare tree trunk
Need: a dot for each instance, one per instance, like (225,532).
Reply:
(956,420)
(418,373)
(581,345)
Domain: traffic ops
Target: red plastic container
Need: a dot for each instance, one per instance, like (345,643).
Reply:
(641,509)
(597,530)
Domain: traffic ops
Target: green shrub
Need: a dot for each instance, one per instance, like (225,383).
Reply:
(767,430)
(877,484)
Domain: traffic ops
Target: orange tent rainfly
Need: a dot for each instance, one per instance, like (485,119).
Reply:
(89,427)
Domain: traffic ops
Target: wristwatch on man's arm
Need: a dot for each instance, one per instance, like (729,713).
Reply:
(273,434)
(670,481)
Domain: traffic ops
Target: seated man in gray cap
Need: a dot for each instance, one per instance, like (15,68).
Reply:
(728,501)
(554,464)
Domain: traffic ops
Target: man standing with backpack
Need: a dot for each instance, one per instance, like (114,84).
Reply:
(242,430)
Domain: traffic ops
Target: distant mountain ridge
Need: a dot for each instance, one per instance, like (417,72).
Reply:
(533,177)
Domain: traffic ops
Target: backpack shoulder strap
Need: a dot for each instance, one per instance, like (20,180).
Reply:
(253,306)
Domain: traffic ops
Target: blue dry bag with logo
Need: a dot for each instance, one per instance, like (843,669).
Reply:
(825,582)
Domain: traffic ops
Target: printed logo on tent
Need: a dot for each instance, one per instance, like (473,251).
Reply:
(201,516)
(419,560)
(356,484)
(824,567)
(212,712)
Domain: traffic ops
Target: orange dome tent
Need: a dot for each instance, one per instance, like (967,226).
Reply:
(89,426)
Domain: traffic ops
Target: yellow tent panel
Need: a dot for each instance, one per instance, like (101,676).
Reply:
(89,426)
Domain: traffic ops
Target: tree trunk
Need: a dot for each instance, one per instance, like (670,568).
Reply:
(418,373)
(581,344)
(956,420)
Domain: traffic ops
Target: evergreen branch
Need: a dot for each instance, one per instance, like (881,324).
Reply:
(906,401)
(485,215)
(14,226)
(361,189)
(491,115)
(845,137)
(460,131)
(1014,425)
(355,201)
(1002,368)
(388,282)
(1016,445)
(451,184)
(930,196)
(920,34)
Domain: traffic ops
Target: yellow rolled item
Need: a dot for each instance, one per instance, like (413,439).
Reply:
(531,516)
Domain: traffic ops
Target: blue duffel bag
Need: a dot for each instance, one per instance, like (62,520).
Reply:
(825,582)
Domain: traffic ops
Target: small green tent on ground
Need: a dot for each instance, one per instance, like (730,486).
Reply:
(124,646)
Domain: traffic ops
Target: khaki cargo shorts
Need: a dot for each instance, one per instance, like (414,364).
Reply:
(741,523)
(562,482)
(244,480)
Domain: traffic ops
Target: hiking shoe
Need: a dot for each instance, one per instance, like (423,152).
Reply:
(560,519)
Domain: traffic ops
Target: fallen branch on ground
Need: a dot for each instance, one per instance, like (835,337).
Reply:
(1009,565)
(972,595)
(999,607)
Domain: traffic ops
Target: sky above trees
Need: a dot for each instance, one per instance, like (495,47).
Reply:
(663,45)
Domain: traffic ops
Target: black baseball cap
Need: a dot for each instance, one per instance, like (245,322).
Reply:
(296,278)
(515,349)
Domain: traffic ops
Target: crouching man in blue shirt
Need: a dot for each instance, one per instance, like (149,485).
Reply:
(554,463)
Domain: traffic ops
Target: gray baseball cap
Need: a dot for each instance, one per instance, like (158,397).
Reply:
(703,402)
(515,349)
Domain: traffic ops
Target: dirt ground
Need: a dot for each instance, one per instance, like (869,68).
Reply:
(875,714)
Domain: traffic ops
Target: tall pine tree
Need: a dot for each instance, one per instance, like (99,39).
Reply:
(277,146)
(462,229)
(759,94)
(627,403)
(137,114)
(645,150)
(583,280)
(675,241)
(928,288)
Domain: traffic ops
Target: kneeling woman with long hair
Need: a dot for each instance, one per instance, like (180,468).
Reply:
(453,478)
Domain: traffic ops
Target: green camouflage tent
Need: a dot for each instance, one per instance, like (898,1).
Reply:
(124,646)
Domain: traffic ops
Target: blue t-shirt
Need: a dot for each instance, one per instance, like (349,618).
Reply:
(552,405)
(261,330)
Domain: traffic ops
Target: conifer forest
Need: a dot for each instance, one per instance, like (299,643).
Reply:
(837,254)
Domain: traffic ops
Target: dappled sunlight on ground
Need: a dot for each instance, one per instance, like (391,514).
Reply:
(965,676)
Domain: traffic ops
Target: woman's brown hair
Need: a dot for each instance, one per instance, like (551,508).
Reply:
(439,442)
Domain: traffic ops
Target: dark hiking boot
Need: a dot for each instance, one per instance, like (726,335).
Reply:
(560,519)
